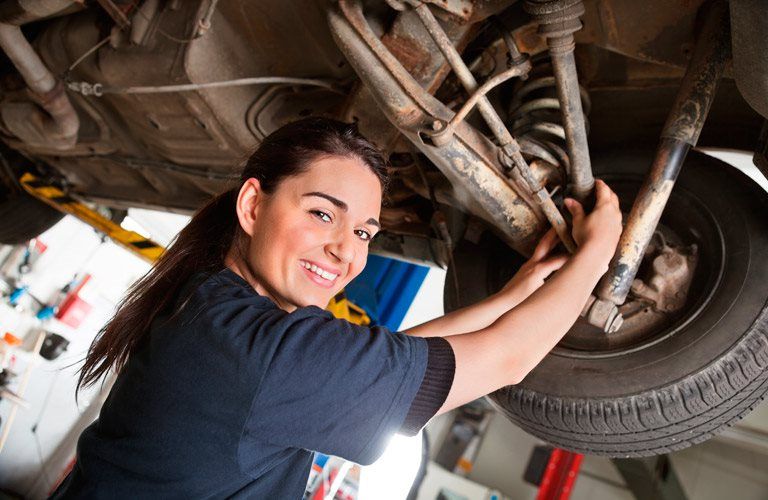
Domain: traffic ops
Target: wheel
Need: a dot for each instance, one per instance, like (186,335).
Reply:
(665,380)
(22,216)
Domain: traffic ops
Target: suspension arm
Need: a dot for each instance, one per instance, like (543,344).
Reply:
(469,160)
(681,132)
(512,156)
(472,163)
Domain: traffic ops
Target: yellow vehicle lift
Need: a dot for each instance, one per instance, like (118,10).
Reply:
(58,199)
(145,248)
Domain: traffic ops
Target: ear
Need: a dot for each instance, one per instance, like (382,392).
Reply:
(249,200)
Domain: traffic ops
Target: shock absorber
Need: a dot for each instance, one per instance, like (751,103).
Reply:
(558,20)
(535,116)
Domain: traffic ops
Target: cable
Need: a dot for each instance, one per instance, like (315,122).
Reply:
(97,89)
(86,54)
(143,163)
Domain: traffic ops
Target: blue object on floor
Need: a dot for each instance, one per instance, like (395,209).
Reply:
(386,288)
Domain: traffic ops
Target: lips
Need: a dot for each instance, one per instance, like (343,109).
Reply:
(323,276)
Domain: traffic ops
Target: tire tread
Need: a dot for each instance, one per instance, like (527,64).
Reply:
(659,420)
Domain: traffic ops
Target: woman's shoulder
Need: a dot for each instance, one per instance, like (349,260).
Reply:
(206,291)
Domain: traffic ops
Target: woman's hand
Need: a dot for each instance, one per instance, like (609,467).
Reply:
(532,274)
(508,349)
(599,231)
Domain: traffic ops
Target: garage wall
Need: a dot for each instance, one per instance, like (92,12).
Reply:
(72,247)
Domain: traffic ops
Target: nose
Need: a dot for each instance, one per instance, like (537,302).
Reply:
(342,248)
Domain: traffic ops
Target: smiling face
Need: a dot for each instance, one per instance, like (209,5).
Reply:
(308,238)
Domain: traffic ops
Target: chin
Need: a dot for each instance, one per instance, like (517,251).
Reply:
(320,302)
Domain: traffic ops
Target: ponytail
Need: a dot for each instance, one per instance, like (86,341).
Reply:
(200,247)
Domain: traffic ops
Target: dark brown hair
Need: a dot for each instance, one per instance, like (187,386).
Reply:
(204,243)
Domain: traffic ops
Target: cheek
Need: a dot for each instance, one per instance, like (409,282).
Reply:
(358,265)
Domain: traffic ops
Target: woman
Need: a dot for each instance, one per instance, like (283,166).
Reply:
(230,372)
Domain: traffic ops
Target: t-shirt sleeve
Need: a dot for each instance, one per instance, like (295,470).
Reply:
(342,389)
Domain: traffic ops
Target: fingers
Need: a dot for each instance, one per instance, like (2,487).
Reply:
(604,194)
(576,209)
(552,264)
(546,244)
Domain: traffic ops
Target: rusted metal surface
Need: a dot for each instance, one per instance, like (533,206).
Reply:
(445,131)
(602,313)
(697,90)
(536,119)
(510,148)
(680,133)
(558,20)
(463,73)
(406,36)
(670,275)
(173,151)
(469,160)
(655,31)
(642,220)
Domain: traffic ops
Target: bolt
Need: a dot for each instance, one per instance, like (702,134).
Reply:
(615,323)
(437,125)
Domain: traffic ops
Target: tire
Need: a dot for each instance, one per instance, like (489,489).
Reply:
(701,372)
(22,217)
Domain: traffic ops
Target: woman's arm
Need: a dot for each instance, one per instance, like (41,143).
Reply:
(527,280)
(504,352)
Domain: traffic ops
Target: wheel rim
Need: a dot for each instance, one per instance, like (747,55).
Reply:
(690,220)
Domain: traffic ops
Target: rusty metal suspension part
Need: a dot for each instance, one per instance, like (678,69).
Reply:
(511,157)
(681,132)
(558,20)
(470,161)
(535,117)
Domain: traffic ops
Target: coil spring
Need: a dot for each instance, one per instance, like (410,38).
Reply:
(534,116)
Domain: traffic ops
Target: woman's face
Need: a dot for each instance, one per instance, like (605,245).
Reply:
(309,238)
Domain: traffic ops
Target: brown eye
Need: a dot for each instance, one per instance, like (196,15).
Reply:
(363,234)
(321,215)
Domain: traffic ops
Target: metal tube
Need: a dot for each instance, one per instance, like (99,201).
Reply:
(558,20)
(35,73)
(680,133)
(464,75)
(564,66)
(61,123)
(517,70)
(522,174)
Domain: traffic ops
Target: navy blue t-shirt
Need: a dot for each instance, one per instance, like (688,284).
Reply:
(230,396)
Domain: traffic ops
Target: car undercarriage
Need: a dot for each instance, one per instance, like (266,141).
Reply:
(490,112)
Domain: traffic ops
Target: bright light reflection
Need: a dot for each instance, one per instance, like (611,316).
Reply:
(392,475)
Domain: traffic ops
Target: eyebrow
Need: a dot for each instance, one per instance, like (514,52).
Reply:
(337,202)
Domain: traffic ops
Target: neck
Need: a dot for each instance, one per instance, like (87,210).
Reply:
(243,269)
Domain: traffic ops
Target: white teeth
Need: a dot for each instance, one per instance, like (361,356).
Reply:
(328,276)
(319,271)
